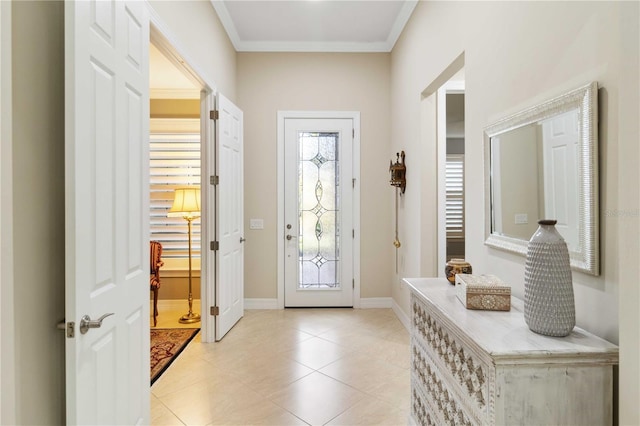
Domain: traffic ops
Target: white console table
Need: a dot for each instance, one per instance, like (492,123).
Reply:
(486,367)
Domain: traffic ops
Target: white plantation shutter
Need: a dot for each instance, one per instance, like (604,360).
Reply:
(455,196)
(175,161)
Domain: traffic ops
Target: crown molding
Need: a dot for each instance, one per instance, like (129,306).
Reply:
(313,46)
(400,23)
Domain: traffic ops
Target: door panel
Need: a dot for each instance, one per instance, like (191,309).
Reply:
(230,206)
(106,191)
(318,212)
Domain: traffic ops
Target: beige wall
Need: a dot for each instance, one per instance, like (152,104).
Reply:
(269,82)
(519,172)
(517,54)
(174,287)
(174,108)
(7,345)
(202,40)
(38,210)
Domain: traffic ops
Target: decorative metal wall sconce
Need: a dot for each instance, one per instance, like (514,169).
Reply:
(398,180)
(398,172)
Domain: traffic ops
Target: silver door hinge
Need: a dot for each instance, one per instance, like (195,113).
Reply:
(353,182)
(214,311)
(214,245)
(69,327)
(353,283)
(353,133)
(213,115)
(213,180)
(353,233)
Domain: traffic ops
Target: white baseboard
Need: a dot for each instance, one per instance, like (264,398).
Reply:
(255,303)
(175,305)
(366,303)
(375,302)
(404,319)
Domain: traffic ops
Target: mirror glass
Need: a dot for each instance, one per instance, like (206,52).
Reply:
(542,164)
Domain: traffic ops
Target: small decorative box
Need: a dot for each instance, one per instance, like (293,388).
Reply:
(486,292)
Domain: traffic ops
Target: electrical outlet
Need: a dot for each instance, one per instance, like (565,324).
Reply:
(521,219)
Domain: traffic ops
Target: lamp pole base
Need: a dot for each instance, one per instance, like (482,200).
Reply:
(189,318)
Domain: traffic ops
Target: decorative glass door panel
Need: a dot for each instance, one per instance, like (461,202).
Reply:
(318,207)
(318,212)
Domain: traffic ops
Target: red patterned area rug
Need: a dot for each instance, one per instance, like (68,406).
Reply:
(166,345)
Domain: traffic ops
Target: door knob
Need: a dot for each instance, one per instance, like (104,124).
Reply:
(86,322)
(242,240)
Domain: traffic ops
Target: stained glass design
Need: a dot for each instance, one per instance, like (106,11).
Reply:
(318,209)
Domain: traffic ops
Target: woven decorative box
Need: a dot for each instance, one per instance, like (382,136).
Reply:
(485,292)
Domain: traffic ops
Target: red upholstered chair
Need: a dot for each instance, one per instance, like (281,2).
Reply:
(154,279)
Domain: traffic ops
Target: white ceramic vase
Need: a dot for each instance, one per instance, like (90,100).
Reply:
(549,306)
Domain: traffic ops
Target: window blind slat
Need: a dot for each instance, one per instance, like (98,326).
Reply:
(454,176)
(174,162)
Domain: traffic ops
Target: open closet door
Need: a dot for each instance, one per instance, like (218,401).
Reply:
(106,208)
(229,217)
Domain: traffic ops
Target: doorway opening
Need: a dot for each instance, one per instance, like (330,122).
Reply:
(442,127)
(221,183)
(454,175)
(175,156)
(450,148)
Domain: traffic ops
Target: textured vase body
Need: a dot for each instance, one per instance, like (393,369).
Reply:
(549,306)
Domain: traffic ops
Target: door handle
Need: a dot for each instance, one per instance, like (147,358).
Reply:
(86,322)
(290,237)
(242,240)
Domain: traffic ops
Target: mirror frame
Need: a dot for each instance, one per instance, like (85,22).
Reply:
(586,258)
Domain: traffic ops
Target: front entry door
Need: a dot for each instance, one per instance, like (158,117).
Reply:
(318,211)
(106,212)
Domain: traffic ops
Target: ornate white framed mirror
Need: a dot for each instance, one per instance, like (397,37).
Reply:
(542,163)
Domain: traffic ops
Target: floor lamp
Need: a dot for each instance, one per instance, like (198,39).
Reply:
(186,203)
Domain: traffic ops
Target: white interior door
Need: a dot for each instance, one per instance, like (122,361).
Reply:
(229,214)
(107,198)
(318,212)
(560,140)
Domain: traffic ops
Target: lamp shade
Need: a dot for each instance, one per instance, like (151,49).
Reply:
(186,202)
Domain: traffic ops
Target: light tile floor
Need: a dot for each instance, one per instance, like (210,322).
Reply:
(292,367)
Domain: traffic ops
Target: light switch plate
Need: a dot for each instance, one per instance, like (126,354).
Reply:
(521,219)
(256,224)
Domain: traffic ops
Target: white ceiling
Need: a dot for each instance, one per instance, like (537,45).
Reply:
(293,26)
(314,25)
